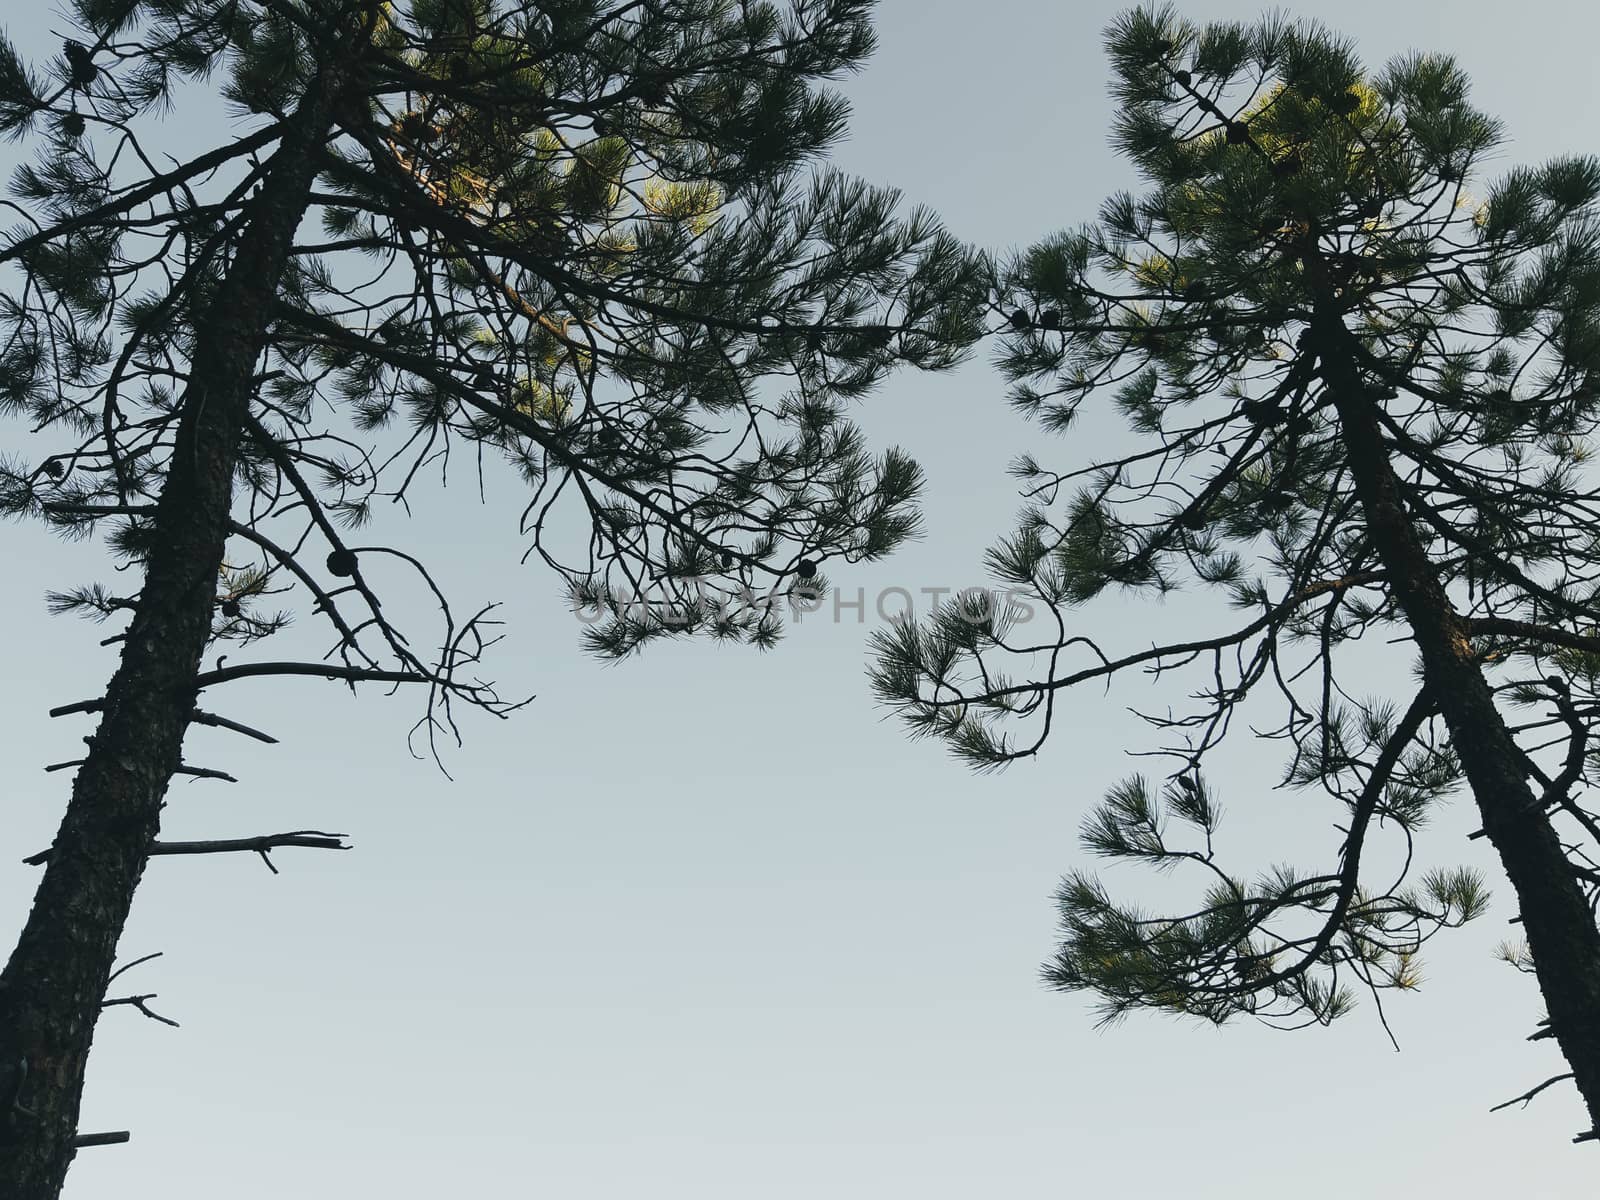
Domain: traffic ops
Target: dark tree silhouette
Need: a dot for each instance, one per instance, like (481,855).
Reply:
(1361,403)
(581,239)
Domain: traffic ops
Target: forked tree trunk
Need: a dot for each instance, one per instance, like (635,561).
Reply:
(53,985)
(1556,918)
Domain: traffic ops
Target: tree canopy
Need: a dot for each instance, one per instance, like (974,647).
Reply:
(589,244)
(1360,399)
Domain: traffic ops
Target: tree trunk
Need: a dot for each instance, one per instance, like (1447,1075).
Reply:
(53,985)
(1560,928)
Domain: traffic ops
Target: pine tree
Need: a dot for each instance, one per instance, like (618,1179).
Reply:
(1360,403)
(587,241)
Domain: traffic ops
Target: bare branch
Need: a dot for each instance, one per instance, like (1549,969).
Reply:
(306,838)
(101,1139)
(138,1002)
(205,718)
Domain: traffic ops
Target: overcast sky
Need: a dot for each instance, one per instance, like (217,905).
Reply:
(704,925)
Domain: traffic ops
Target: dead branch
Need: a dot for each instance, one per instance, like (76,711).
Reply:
(139,1002)
(101,1139)
(1528,1095)
(313,839)
(126,967)
(205,718)
(182,769)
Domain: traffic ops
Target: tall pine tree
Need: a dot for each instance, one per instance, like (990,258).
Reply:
(1361,404)
(585,240)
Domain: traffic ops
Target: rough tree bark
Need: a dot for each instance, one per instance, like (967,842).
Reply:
(1557,921)
(53,985)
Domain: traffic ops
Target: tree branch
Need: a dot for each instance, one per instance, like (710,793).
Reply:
(1528,1095)
(101,1139)
(1538,633)
(324,670)
(138,1002)
(313,839)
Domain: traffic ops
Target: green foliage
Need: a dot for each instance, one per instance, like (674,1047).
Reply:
(19,92)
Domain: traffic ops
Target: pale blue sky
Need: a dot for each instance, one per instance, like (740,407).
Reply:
(703,925)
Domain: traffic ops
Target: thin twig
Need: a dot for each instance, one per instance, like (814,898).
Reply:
(1531,1092)
(126,967)
(138,1002)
